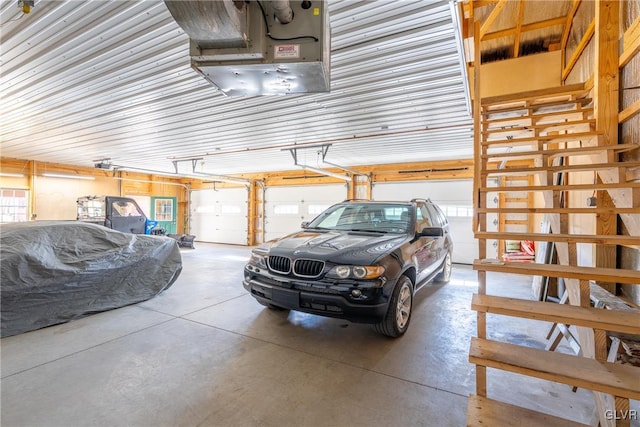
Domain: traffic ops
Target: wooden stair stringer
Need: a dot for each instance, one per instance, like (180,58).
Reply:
(578,291)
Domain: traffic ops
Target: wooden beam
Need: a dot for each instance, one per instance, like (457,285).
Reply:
(584,41)
(482,3)
(492,17)
(631,35)
(606,92)
(631,45)
(477,130)
(252,213)
(525,28)
(567,29)
(629,112)
(516,43)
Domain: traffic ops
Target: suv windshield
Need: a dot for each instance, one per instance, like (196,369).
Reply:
(375,217)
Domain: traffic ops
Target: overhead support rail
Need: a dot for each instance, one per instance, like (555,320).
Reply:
(107,165)
(322,151)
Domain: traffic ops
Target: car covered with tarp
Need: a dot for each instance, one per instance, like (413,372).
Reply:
(56,271)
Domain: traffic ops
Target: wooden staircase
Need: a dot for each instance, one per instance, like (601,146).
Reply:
(555,131)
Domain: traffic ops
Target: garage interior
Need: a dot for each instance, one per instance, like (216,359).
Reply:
(519,118)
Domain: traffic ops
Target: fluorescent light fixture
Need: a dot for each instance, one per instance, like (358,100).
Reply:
(325,172)
(59,175)
(13,175)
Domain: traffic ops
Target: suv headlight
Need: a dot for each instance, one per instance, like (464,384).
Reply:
(258,260)
(342,271)
(356,271)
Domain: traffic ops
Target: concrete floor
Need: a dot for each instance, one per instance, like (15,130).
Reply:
(205,353)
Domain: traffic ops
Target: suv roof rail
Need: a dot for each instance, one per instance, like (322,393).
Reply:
(357,200)
(421,200)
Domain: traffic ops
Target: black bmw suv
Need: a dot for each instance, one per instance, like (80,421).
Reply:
(359,260)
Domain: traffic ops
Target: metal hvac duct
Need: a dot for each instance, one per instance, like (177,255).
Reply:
(282,10)
(258,47)
(211,24)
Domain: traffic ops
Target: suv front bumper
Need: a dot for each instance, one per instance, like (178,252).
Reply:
(330,303)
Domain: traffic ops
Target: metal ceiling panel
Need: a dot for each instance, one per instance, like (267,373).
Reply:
(86,80)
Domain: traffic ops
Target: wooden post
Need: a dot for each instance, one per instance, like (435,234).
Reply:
(33,212)
(606,102)
(479,219)
(252,213)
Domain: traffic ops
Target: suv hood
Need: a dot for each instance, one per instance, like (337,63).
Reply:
(342,247)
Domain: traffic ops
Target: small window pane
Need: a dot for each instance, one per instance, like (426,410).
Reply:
(163,210)
(285,209)
(13,205)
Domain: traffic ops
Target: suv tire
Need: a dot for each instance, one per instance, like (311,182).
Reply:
(445,275)
(398,316)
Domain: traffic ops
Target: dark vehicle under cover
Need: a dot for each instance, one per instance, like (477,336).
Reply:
(56,271)
(359,260)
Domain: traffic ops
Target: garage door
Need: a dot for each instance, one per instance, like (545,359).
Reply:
(456,200)
(220,216)
(287,207)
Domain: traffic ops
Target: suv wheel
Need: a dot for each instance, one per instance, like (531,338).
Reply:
(396,321)
(445,275)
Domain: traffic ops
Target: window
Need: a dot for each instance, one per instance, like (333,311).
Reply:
(90,208)
(459,211)
(125,208)
(164,210)
(395,213)
(437,217)
(285,209)
(13,205)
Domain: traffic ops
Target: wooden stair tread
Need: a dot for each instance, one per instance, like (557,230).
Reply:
(561,168)
(616,379)
(593,210)
(600,239)
(536,116)
(598,274)
(567,105)
(546,139)
(573,90)
(538,126)
(575,187)
(485,412)
(581,151)
(627,322)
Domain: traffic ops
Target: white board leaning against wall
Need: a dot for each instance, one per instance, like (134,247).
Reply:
(456,200)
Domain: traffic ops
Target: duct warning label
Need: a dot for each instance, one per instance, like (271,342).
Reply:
(287,51)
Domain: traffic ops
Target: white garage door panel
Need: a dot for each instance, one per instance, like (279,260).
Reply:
(287,207)
(458,193)
(220,216)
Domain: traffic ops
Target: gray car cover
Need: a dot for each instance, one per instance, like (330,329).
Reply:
(56,271)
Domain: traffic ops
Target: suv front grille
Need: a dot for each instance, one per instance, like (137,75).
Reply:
(279,264)
(307,267)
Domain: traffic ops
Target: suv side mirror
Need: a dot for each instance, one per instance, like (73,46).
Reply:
(304,224)
(432,232)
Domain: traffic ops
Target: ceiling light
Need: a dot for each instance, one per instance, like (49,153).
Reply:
(58,175)
(13,175)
